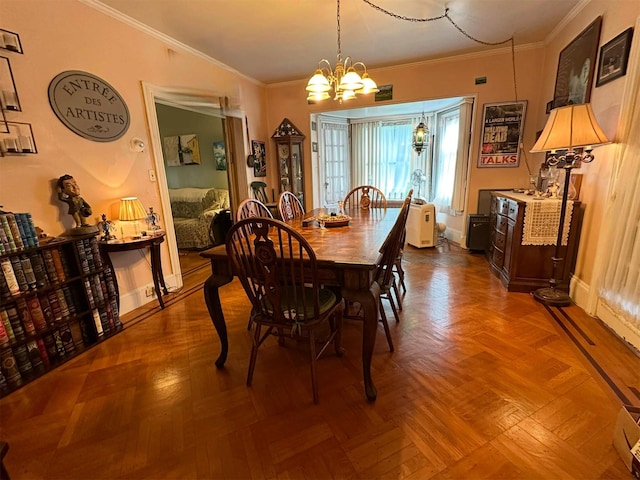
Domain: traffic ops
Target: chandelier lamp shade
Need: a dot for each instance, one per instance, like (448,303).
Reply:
(420,136)
(346,80)
(568,128)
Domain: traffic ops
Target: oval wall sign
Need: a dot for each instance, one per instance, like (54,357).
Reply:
(88,106)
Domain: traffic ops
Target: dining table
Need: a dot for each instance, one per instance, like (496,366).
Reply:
(346,258)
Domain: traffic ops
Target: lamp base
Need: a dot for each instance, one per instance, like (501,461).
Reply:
(552,296)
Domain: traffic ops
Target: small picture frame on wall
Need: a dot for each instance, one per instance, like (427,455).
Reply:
(314,146)
(260,161)
(614,57)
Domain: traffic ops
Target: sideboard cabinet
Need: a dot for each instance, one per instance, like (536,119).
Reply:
(526,267)
(56,300)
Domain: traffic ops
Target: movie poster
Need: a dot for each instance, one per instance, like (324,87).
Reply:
(502,126)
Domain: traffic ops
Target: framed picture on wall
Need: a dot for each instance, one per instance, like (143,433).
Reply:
(219,155)
(181,150)
(502,127)
(614,56)
(260,162)
(576,67)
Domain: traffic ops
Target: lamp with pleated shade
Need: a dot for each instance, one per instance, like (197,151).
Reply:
(131,210)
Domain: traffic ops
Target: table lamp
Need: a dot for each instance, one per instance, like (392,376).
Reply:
(569,127)
(131,210)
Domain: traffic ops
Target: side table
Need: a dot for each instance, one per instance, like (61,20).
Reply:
(123,245)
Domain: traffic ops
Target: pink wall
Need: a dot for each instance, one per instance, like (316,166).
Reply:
(68,35)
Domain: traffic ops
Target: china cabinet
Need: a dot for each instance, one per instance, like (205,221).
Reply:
(288,142)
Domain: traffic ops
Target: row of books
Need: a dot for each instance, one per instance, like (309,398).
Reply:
(17,231)
(29,271)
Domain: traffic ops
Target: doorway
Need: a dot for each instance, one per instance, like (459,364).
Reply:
(192,105)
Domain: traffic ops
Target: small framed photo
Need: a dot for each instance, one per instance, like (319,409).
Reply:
(314,146)
(614,56)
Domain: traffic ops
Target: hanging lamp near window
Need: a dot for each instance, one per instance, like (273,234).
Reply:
(421,136)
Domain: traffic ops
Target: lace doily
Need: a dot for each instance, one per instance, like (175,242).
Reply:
(541,221)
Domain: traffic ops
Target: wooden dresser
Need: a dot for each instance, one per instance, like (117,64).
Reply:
(524,266)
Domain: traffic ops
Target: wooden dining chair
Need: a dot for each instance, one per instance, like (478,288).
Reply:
(252,208)
(365,197)
(384,274)
(259,190)
(289,206)
(278,271)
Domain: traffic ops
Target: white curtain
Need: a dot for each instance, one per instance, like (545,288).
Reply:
(450,162)
(620,283)
(382,155)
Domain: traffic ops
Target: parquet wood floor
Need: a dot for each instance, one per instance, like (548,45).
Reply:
(484,384)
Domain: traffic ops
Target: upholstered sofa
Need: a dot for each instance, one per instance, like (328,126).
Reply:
(193,210)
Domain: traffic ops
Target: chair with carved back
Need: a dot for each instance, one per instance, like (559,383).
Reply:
(365,197)
(259,190)
(289,206)
(252,208)
(384,275)
(278,271)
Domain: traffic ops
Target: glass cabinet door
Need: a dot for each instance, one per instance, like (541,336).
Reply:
(296,171)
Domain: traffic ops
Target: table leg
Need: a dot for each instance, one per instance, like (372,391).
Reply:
(212,299)
(156,272)
(369,301)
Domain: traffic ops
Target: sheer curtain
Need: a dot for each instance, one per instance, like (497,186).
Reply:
(382,155)
(620,283)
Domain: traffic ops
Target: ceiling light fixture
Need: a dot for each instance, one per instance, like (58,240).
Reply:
(343,80)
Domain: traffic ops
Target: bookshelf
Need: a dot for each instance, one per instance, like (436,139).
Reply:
(57,299)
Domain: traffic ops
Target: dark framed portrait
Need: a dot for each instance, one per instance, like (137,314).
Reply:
(614,56)
(576,67)
(260,162)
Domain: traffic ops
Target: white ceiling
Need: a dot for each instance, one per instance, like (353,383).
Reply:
(274,41)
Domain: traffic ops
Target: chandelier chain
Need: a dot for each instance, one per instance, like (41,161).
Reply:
(338,21)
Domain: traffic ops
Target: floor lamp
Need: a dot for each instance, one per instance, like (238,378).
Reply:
(569,127)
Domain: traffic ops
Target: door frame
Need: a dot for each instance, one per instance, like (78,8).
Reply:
(189,99)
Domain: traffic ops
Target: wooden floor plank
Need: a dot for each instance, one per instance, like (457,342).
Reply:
(483,384)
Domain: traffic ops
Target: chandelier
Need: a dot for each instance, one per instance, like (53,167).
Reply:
(344,80)
(420,136)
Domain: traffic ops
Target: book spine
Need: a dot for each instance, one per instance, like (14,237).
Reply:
(16,324)
(10,368)
(18,218)
(57,338)
(4,336)
(10,276)
(67,338)
(5,293)
(57,262)
(34,357)
(21,355)
(62,301)
(4,241)
(39,270)
(37,314)
(44,356)
(25,316)
(13,226)
(19,273)
(4,222)
(56,308)
(68,296)
(50,266)
(31,239)
(47,310)
(32,230)
(97,322)
(50,348)
(4,317)
(29,274)
(95,252)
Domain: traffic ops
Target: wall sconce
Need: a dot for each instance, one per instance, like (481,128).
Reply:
(137,145)
(420,136)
